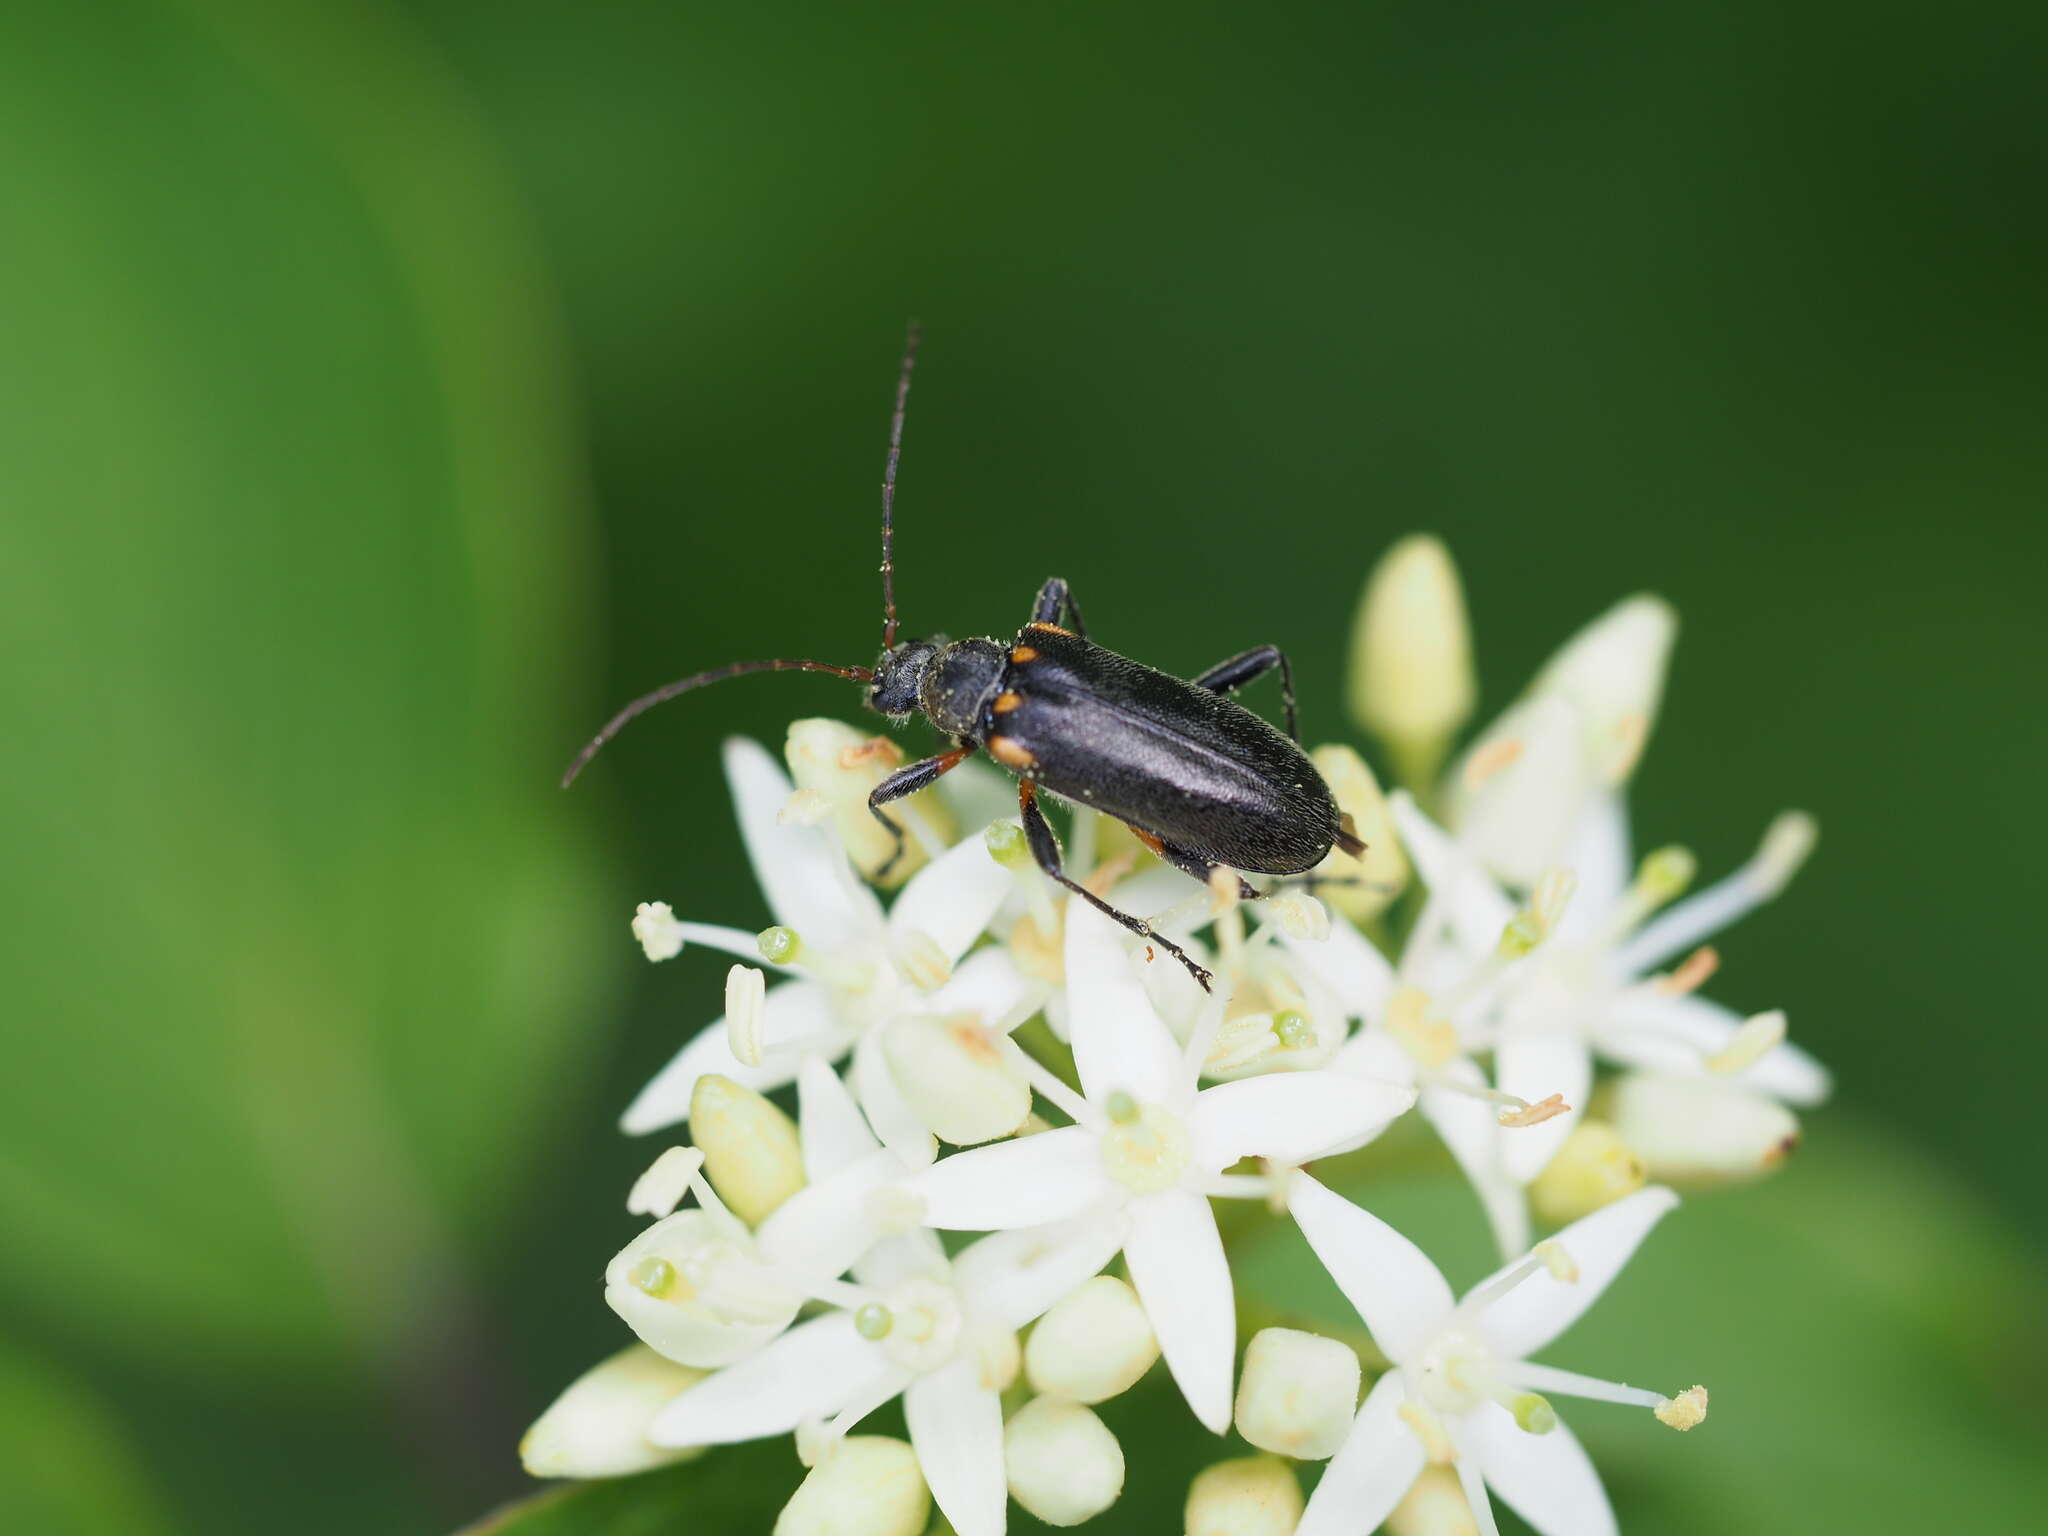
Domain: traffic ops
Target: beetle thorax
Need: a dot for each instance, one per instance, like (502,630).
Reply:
(958,684)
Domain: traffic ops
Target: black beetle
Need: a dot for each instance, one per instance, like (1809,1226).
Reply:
(1203,782)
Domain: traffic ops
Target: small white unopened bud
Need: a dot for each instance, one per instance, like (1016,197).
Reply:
(745,1004)
(956,1077)
(1594,1167)
(1064,1464)
(1297,1394)
(840,765)
(1613,672)
(1093,1345)
(1519,818)
(1360,888)
(1300,916)
(750,1147)
(1435,1506)
(1702,1130)
(1246,1496)
(598,1427)
(868,1485)
(1788,843)
(1411,679)
(655,926)
(659,1190)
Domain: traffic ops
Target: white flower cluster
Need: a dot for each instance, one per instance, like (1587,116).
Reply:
(807,1284)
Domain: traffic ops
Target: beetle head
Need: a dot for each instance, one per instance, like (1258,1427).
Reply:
(899,675)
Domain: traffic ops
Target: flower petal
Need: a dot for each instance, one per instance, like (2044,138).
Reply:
(1476,908)
(812,1371)
(1009,1278)
(956,1427)
(1548,1479)
(834,1132)
(893,1119)
(952,898)
(990,985)
(1397,1291)
(1542,1306)
(1177,1265)
(1674,1034)
(1348,964)
(792,1011)
(1291,1117)
(818,1232)
(1120,1042)
(1020,1183)
(802,871)
(1533,1066)
(1598,855)
(1371,1472)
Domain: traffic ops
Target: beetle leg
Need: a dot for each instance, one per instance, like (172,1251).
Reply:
(1045,848)
(1229,676)
(1056,606)
(1187,861)
(908,780)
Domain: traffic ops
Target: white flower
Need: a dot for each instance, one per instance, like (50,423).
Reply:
(1147,1149)
(942,1336)
(1589,990)
(598,1426)
(853,969)
(1462,1389)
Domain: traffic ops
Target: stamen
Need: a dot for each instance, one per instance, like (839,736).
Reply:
(654,1275)
(873,1321)
(1756,1039)
(1557,1260)
(920,959)
(656,928)
(745,1002)
(1430,1042)
(659,1190)
(1491,759)
(1535,1114)
(1294,1031)
(1300,915)
(1685,1411)
(1693,972)
(1535,1262)
(1548,1378)
(1532,1411)
(1788,843)
(1436,1445)
(1785,847)
(1240,1042)
(781,946)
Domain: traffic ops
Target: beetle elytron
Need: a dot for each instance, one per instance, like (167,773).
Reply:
(1203,782)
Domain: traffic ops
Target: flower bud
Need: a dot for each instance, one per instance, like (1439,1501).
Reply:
(1411,678)
(1702,1130)
(656,928)
(751,1152)
(867,1485)
(953,1075)
(693,1289)
(1246,1496)
(833,760)
(1593,1168)
(1613,671)
(1519,792)
(1364,886)
(598,1427)
(1064,1464)
(1435,1506)
(1093,1345)
(1297,1394)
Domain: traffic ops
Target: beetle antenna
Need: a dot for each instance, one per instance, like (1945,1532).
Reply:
(662,695)
(910,342)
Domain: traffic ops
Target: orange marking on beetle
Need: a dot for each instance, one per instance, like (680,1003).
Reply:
(1015,753)
(1148,840)
(1022,653)
(1005,702)
(1053,627)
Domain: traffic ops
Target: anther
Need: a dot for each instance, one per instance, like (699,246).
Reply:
(1684,1411)
(873,1322)
(745,1004)
(1436,1445)
(659,1190)
(1694,972)
(1787,844)
(1532,1411)
(922,961)
(655,1276)
(780,946)
(1665,873)
(1491,759)
(1300,916)
(1557,1259)
(804,808)
(1535,1114)
(656,928)
(1294,1031)
(1007,844)
(1756,1039)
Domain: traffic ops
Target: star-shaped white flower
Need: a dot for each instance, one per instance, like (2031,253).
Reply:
(1589,990)
(941,1336)
(853,968)
(1147,1149)
(1462,1389)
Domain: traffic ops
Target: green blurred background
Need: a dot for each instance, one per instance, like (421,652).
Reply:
(387,390)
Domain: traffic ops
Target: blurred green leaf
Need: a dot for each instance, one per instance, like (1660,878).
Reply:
(1872,1336)
(69,1471)
(285,595)
(732,1488)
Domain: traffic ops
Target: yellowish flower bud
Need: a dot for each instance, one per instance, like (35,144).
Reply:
(833,760)
(1064,1464)
(867,1485)
(1435,1506)
(1593,1168)
(598,1427)
(1412,683)
(1613,671)
(751,1152)
(1701,1131)
(953,1074)
(1364,886)
(1093,1345)
(1246,1496)
(1297,1394)
(1517,795)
